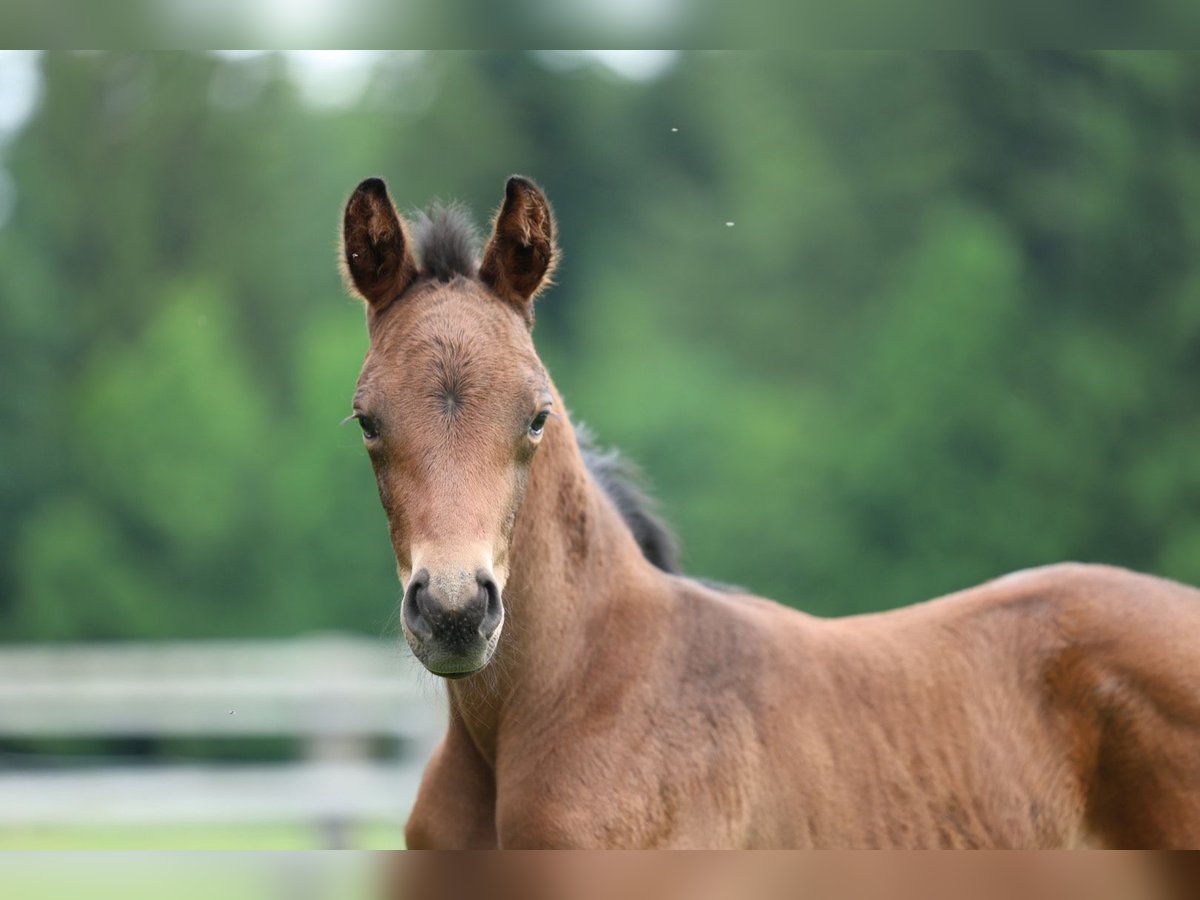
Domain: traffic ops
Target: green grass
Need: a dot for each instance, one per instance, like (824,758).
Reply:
(177,837)
(187,876)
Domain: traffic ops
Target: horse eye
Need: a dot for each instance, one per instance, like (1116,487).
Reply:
(538,423)
(367,424)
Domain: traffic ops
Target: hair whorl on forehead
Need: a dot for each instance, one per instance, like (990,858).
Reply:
(446,242)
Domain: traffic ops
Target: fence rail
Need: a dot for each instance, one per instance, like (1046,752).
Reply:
(335,694)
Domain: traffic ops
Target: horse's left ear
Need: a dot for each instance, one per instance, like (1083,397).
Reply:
(521,254)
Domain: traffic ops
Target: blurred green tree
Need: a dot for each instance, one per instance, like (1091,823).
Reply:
(878,326)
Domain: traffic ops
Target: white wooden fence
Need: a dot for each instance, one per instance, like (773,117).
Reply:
(335,694)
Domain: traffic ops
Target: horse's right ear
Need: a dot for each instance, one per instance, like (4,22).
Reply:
(376,259)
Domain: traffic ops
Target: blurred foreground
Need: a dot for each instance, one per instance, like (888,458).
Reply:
(834,875)
(190,876)
(540,875)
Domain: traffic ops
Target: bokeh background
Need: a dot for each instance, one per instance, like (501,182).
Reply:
(876,326)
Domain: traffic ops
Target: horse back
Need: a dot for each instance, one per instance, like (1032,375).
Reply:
(1053,707)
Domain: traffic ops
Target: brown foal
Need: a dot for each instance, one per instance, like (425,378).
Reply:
(597,700)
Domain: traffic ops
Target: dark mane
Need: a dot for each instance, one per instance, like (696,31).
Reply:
(622,482)
(445,241)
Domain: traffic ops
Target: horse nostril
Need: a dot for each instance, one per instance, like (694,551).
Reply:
(493,607)
(415,605)
(454,609)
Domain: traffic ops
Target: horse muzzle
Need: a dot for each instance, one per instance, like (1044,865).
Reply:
(452,620)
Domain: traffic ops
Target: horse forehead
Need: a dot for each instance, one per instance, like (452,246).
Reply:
(451,342)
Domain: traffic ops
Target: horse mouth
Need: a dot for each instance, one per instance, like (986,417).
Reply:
(455,672)
(455,664)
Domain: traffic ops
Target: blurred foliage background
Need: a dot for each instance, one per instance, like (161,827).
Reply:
(952,330)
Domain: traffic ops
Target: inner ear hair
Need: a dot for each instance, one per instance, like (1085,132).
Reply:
(519,259)
(377,261)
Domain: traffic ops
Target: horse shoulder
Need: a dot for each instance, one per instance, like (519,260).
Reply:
(652,746)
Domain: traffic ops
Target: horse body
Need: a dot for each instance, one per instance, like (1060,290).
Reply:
(1054,708)
(626,706)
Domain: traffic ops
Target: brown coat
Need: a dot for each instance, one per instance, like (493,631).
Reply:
(597,701)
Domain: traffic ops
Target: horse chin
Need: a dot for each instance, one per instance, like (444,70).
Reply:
(452,666)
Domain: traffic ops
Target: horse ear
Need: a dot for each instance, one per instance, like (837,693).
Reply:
(377,261)
(521,254)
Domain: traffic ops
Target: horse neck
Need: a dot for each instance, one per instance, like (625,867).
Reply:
(572,565)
